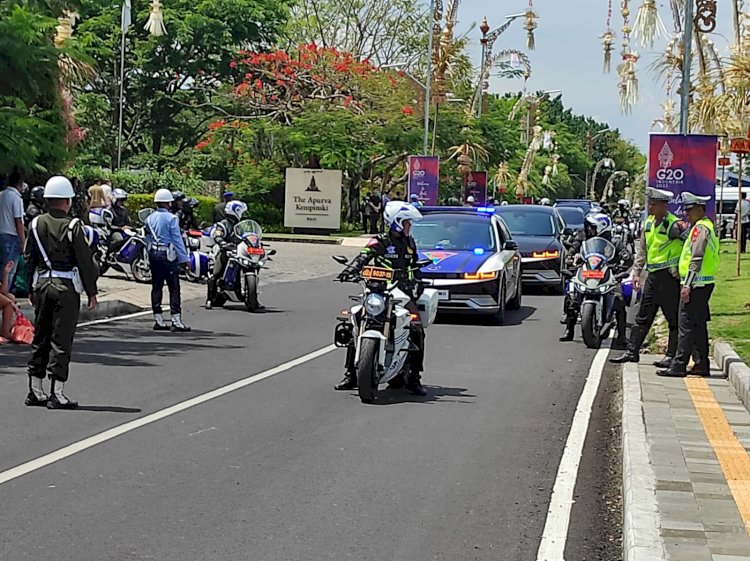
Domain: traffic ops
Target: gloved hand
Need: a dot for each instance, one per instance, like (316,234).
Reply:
(347,275)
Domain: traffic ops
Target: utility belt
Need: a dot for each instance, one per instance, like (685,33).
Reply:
(73,276)
(652,268)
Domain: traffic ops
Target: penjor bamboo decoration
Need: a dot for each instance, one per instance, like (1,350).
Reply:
(648,24)
(155,23)
(608,40)
(530,25)
(627,71)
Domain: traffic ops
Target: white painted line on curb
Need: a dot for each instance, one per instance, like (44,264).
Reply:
(555,535)
(115,318)
(86,443)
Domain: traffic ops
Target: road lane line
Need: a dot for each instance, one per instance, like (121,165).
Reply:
(555,534)
(732,456)
(91,441)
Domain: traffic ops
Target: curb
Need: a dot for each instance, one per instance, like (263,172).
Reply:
(733,368)
(321,241)
(641,536)
(105,309)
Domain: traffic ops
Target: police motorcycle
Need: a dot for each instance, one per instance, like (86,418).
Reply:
(132,257)
(595,286)
(199,244)
(377,328)
(246,258)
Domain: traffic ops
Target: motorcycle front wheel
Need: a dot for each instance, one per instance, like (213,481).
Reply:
(140,270)
(590,331)
(251,292)
(367,382)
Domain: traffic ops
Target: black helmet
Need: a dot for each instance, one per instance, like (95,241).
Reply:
(178,195)
(193,202)
(37,194)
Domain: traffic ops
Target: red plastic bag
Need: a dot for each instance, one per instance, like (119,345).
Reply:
(23,331)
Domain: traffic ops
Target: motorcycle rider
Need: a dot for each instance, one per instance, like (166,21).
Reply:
(37,206)
(223,235)
(596,225)
(394,249)
(621,215)
(187,214)
(117,219)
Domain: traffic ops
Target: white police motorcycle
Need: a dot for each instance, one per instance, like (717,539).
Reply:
(377,328)
(132,257)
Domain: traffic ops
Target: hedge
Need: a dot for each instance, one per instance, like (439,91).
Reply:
(269,216)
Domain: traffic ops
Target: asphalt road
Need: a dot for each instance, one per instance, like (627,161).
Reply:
(286,468)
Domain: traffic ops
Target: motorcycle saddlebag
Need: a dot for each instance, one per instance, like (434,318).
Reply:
(428,306)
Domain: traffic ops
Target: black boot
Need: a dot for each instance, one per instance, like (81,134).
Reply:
(671,373)
(628,356)
(569,333)
(349,382)
(666,362)
(414,384)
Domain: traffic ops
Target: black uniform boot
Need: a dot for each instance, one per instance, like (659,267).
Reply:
(414,384)
(666,362)
(349,382)
(212,291)
(57,399)
(569,333)
(628,356)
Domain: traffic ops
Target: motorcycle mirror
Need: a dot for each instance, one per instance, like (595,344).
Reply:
(272,252)
(424,263)
(340,259)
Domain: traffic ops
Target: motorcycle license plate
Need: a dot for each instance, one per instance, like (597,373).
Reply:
(444,295)
(593,274)
(377,273)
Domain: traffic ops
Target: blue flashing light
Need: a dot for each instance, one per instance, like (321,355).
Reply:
(478,251)
(486,209)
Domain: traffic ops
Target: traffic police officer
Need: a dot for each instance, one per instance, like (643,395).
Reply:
(699,263)
(166,254)
(658,250)
(60,267)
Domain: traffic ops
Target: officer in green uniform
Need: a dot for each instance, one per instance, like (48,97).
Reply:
(60,268)
(658,251)
(699,263)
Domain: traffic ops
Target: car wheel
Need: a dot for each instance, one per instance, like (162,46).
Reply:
(499,316)
(515,303)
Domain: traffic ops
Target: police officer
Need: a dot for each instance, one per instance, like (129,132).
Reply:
(117,218)
(621,215)
(37,206)
(223,235)
(218,213)
(395,249)
(60,268)
(698,265)
(166,255)
(659,248)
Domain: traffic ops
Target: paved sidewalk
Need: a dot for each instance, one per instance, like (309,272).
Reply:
(698,437)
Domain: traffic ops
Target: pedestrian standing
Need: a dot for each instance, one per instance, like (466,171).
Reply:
(376,210)
(107,190)
(97,204)
(218,213)
(699,263)
(12,233)
(60,268)
(166,255)
(744,212)
(658,251)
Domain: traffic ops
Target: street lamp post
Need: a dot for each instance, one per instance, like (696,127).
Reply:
(484,28)
(687,46)
(428,80)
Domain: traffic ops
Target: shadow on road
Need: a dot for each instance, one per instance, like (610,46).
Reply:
(435,394)
(107,408)
(511,318)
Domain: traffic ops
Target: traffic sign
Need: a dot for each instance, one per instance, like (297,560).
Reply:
(723,161)
(740,145)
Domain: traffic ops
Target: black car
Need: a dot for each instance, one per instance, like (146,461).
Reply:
(585,205)
(538,230)
(574,217)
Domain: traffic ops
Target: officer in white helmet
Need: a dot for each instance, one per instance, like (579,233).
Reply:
(166,255)
(395,249)
(60,269)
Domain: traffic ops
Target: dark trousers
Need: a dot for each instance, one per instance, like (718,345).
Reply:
(164,271)
(661,291)
(745,235)
(57,308)
(693,330)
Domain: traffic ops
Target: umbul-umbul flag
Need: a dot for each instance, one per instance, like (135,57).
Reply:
(126,16)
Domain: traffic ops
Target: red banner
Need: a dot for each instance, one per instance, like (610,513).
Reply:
(475,185)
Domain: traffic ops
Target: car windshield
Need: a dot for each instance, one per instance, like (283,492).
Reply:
(462,232)
(523,222)
(585,206)
(598,247)
(572,216)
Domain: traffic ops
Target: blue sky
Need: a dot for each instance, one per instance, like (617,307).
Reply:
(569,56)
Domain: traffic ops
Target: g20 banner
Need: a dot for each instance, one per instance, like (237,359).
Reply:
(475,185)
(680,163)
(423,179)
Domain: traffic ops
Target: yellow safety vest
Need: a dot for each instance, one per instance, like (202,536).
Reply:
(661,252)
(710,265)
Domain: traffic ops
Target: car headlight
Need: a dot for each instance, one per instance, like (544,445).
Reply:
(374,304)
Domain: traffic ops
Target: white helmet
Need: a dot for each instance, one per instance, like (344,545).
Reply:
(119,194)
(601,222)
(398,211)
(108,216)
(470,199)
(637,206)
(163,196)
(236,209)
(544,201)
(504,203)
(623,202)
(58,187)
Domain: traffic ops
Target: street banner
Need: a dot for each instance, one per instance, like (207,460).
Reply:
(423,179)
(312,198)
(475,185)
(680,163)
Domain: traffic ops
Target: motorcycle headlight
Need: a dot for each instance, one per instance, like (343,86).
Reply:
(374,304)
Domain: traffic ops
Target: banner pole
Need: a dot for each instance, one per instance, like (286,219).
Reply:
(738,220)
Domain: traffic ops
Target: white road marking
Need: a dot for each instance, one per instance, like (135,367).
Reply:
(87,443)
(115,318)
(555,535)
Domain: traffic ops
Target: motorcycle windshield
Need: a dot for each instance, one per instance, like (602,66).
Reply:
(597,251)
(144,213)
(249,230)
